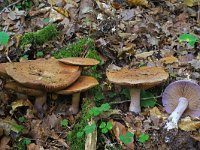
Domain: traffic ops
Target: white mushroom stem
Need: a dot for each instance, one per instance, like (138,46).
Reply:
(74,108)
(135,100)
(176,114)
(40,102)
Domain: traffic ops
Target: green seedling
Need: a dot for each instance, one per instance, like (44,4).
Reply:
(4,37)
(22,119)
(39,54)
(87,130)
(147,99)
(95,111)
(24,5)
(127,138)
(22,143)
(143,138)
(185,37)
(105,127)
(64,123)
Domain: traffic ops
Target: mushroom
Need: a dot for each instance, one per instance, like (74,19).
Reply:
(79,61)
(180,97)
(137,79)
(82,84)
(46,75)
(3,72)
(40,95)
(49,75)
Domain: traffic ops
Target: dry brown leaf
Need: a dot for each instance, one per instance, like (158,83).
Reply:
(196,137)
(144,55)
(187,124)
(20,103)
(4,143)
(61,11)
(169,60)
(138,2)
(33,146)
(119,129)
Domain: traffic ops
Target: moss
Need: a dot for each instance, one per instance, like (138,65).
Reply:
(76,49)
(75,142)
(39,37)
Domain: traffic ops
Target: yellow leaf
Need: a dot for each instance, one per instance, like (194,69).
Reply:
(191,3)
(187,124)
(138,2)
(20,103)
(61,11)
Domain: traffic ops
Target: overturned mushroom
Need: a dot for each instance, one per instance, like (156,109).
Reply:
(49,75)
(137,79)
(180,97)
(79,61)
(40,96)
(82,84)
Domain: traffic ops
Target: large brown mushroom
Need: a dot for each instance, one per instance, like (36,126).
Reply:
(79,61)
(49,75)
(82,84)
(137,79)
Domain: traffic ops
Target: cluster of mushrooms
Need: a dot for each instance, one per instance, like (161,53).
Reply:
(39,77)
(179,98)
(63,76)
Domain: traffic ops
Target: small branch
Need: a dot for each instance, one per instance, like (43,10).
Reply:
(9,6)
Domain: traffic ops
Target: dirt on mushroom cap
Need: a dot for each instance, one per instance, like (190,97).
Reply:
(82,84)
(182,88)
(50,75)
(144,77)
(79,61)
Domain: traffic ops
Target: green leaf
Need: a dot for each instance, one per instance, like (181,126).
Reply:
(105,107)
(129,134)
(125,139)
(22,119)
(109,125)
(90,128)
(102,125)
(104,130)
(143,138)
(26,141)
(99,96)
(94,111)
(17,128)
(4,37)
(190,38)
(147,99)
(111,94)
(79,134)
(39,54)
(64,123)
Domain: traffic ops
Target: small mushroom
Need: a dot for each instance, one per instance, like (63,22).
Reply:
(40,95)
(82,84)
(49,75)
(137,79)
(180,97)
(79,61)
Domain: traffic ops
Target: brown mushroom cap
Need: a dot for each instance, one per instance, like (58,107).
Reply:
(79,61)
(3,70)
(22,89)
(143,78)
(82,84)
(50,75)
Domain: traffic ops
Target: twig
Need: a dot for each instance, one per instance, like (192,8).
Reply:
(9,6)
(126,101)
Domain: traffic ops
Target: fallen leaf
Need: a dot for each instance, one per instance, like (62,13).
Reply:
(168,60)
(138,2)
(187,124)
(21,103)
(4,143)
(144,55)
(33,146)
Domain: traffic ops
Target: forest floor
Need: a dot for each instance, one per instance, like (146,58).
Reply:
(118,33)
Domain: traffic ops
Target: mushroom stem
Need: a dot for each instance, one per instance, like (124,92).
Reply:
(135,100)
(40,102)
(74,108)
(176,114)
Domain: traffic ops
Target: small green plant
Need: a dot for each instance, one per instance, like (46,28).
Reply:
(87,130)
(22,143)
(127,138)
(190,38)
(143,138)
(24,5)
(4,37)
(22,119)
(95,111)
(105,127)
(64,123)
(147,99)
(39,54)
